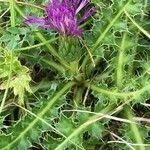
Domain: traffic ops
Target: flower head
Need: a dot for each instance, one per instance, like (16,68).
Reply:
(61,16)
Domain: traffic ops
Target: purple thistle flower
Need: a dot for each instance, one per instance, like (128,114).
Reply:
(61,16)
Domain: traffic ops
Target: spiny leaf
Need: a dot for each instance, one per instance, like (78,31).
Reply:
(25,130)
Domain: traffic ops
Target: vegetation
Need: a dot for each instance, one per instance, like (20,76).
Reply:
(88,92)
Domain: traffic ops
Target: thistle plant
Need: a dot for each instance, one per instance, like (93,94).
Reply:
(74,75)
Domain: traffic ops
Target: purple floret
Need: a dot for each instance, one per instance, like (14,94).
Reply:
(61,16)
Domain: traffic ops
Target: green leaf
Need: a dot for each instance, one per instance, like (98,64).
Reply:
(96,130)
(20,77)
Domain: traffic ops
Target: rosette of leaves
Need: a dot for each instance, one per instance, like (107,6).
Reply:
(119,44)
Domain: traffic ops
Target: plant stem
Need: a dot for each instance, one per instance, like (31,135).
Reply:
(120,62)
(146,33)
(78,96)
(135,130)
(7,84)
(12,12)
(34,46)
(109,93)
(56,66)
